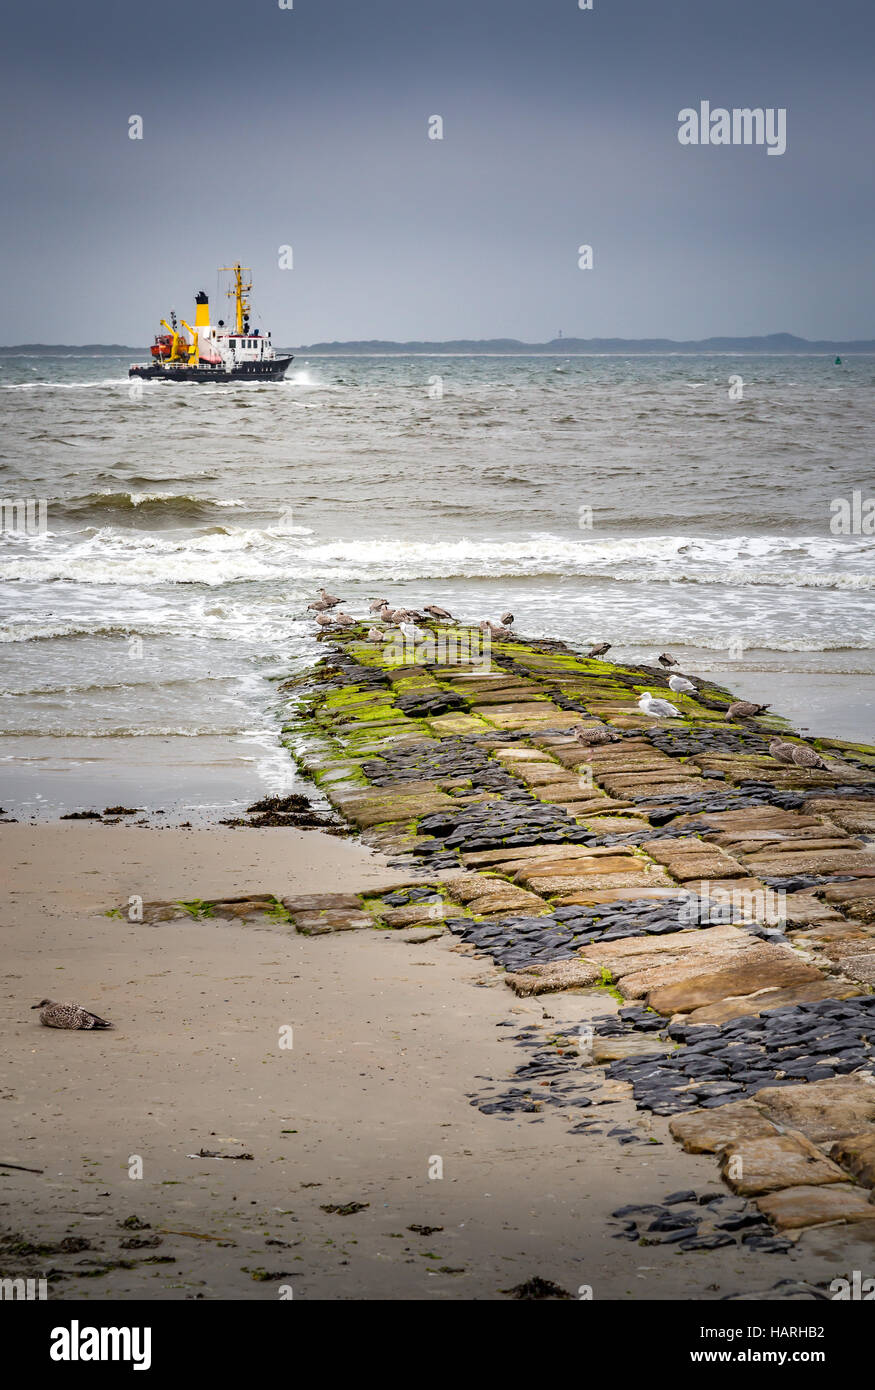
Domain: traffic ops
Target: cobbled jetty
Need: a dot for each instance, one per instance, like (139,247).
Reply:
(726,900)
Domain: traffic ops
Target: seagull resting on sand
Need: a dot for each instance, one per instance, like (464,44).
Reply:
(679,683)
(55,1015)
(745,709)
(663,709)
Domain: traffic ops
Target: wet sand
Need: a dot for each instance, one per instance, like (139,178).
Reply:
(390,1040)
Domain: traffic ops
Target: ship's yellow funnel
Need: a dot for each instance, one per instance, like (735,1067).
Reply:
(201,310)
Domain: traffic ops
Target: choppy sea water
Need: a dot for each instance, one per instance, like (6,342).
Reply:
(621,499)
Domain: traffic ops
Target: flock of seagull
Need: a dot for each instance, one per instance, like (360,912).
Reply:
(396,619)
(329,614)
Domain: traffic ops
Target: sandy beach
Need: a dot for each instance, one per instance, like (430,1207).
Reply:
(390,1039)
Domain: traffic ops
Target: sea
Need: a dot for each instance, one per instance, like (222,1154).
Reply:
(712,506)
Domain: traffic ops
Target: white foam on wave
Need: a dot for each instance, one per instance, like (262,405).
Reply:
(285,552)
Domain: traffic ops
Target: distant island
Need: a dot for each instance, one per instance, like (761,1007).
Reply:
(771,343)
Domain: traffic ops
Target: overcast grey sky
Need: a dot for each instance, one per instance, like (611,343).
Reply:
(309,127)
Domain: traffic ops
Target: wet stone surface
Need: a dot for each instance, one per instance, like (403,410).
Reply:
(786,1046)
(685,743)
(692,1222)
(552,1075)
(515,941)
(662,809)
(430,760)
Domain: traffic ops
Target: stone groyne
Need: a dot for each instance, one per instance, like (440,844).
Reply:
(725,898)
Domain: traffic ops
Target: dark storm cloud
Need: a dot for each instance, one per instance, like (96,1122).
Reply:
(265,127)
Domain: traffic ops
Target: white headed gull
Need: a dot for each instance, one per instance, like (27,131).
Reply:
(679,683)
(661,708)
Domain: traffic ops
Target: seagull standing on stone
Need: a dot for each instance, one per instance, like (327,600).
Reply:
(803,756)
(663,709)
(324,621)
(374,634)
(344,620)
(745,709)
(782,752)
(592,734)
(55,1015)
(599,650)
(666,660)
(679,684)
(377,603)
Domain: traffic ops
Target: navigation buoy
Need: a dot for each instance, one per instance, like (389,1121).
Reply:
(838,362)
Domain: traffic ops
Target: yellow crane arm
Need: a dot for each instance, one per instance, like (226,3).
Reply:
(193,349)
(174,353)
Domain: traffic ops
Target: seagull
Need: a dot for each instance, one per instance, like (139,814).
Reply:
(803,756)
(745,709)
(378,603)
(412,631)
(324,621)
(595,733)
(374,634)
(437,612)
(666,660)
(55,1015)
(507,619)
(600,649)
(663,709)
(502,633)
(782,752)
(679,683)
(344,620)
(319,604)
(331,601)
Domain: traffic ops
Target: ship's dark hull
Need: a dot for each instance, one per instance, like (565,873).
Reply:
(273,370)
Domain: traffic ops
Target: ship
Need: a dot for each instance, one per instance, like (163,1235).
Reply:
(215,352)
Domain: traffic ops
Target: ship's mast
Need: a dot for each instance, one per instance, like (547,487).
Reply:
(241,286)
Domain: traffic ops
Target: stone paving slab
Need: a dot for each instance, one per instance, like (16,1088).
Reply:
(766,999)
(796,1207)
(822,1110)
(768,1163)
(856,1152)
(768,966)
(856,814)
(710,1131)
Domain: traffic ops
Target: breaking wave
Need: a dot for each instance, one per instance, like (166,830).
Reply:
(222,554)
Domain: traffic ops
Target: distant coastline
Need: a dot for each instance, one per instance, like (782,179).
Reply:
(772,343)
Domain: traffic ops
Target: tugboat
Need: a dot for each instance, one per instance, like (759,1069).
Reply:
(215,352)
